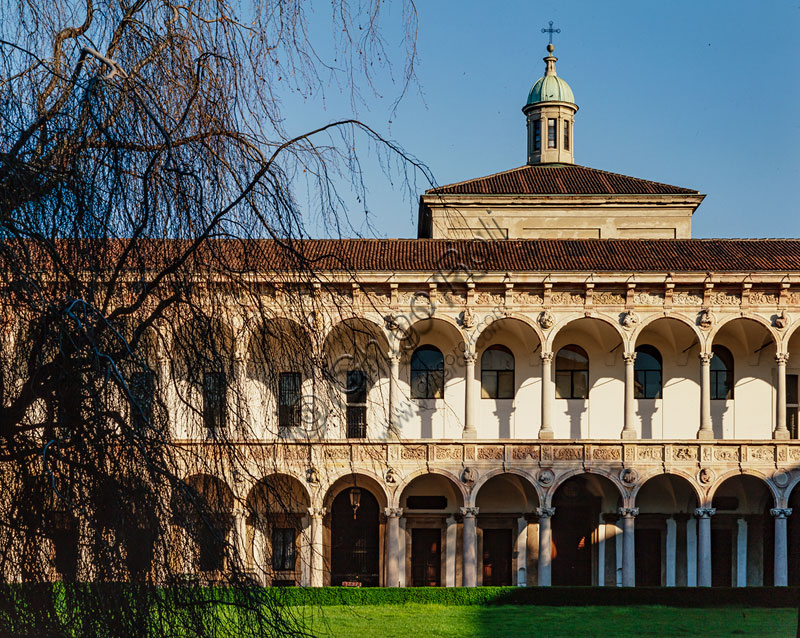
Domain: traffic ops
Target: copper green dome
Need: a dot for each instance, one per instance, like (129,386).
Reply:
(550,87)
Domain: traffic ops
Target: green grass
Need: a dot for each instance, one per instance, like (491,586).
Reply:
(512,621)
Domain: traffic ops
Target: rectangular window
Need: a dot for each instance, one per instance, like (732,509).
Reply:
(566,135)
(572,384)
(214,391)
(283,554)
(289,384)
(142,386)
(497,384)
(552,133)
(537,135)
(792,403)
(356,404)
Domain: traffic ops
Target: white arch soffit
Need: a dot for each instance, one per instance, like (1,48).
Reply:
(563,478)
(287,473)
(523,474)
(680,318)
(773,490)
(777,340)
(525,321)
(596,316)
(343,324)
(410,478)
(643,480)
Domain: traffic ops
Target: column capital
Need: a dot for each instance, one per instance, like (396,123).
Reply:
(781,512)
(393,356)
(628,512)
(317,512)
(705,512)
(782,358)
(470,358)
(705,357)
(393,512)
(469,512)
(629,357)
(545,512)
(240,512)
(547,357)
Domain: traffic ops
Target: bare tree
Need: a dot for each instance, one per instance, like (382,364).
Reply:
(149,218)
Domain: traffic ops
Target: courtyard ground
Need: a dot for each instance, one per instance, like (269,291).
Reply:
(512,621)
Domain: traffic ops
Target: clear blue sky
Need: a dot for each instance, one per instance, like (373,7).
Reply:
(702,94)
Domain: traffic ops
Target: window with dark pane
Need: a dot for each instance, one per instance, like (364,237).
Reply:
(497,373)
(356,392)
(427,373)
(537,135)
(552,132)
(792,403)
(142,386)
(721,374)
(566,135)
(289,384)
(283,548)
(572,373)
(647,373)
(214,391)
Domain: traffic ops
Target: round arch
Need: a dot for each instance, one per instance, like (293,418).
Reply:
(745,318)
(733,474)
(529,485)
(576,318)
(675,324)
(361,479)
(685,476)
(519,325)
(408,480)
(566,476)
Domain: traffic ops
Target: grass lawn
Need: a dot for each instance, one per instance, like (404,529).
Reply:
(511,621)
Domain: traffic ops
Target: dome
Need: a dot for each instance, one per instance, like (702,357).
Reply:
(550,88)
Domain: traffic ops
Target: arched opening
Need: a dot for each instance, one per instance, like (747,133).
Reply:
(278,550)
(430,505)
(742,533)
(584,504)
(506,532)
(744,368)
(666,533)
(793,538)
(676,343)
(203,511)
(793,385)
(354,531)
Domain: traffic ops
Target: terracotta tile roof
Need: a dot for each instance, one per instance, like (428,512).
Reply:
(559,179)
(474,255)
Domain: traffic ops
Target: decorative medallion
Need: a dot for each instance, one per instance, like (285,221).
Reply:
(781,479)
(391,476)
(467,319)
(312,475)
(706,320)
(469,476)
(705,476)
(546,319)
(782,320)
(629,320)
(629,476)
(546,478)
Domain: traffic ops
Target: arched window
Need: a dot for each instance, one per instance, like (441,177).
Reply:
(721,373)
(572,373)
(497,373)
(427,373)
(647,368)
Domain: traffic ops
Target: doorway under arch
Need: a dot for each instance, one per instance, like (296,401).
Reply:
(355,538)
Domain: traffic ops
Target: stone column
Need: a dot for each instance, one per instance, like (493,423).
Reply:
(548,396)
(305,552)
(704,515)
(629,429)
(781,559)
(682,550)
(545,544)
(781,431)
(450,552)
(706,430)
(316,514)
(470,556)
(240,537)
(522,551)
(671,552)
(628,515)
(393,515)
(394,395)
(741,552)
(470,428)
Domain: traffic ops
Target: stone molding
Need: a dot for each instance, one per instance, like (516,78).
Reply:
(781,512)
(628,512)
(469,512)
(393,512)
(705,512)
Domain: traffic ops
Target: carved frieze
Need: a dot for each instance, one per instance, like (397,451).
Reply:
(337,452)
(567,453)
(684,298)
(371,452)
(607,453)
(794,453)
(608,299)
(763,299)
(490,453)
(761,454)
(525,453)
(684,453)
(565,298)
(527,299)
(450,298)
(448,452)
(413,453)
(486,298)
(646,298)
(727,454)
(722,298)
(296,453)
(648,453)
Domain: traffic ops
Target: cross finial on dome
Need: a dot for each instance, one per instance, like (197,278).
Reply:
(551,31)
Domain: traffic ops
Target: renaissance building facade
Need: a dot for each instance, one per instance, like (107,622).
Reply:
(553,384)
